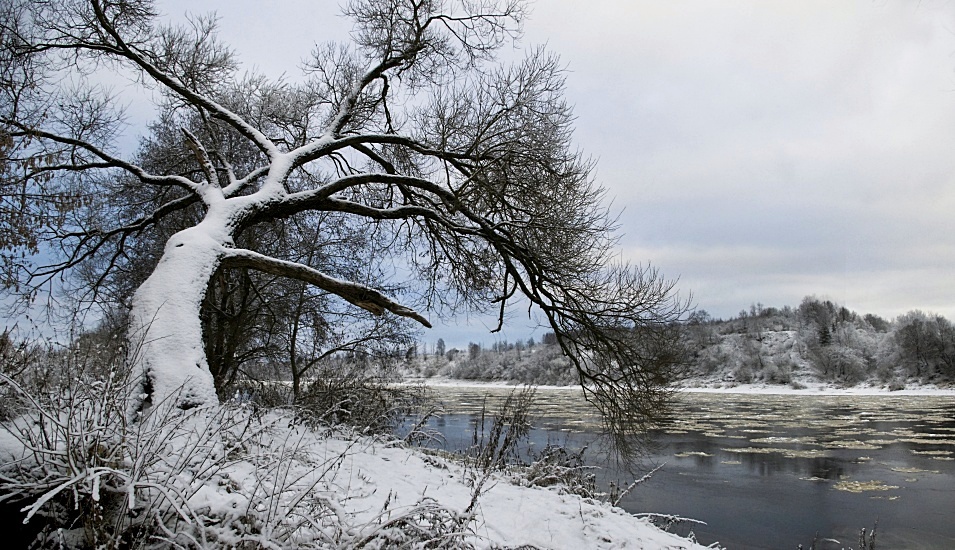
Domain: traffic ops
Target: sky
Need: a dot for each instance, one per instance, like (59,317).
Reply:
(760,152)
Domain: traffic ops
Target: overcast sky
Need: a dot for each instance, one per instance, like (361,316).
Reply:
(759,151)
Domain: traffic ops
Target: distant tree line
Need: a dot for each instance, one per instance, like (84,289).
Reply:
(522,361)
(817,341)
(824,341)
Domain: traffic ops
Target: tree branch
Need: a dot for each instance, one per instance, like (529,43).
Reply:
(218,111)
(113,162)
(357,294)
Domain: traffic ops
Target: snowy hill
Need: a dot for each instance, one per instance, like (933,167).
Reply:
(817,343)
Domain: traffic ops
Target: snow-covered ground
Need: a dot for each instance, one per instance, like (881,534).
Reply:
(230,476)
(371,474)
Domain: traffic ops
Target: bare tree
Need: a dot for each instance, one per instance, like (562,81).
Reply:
(464,167)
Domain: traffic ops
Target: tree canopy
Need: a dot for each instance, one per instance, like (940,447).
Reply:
(460,170)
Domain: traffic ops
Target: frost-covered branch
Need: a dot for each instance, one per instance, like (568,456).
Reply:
(109,161)
(358,294)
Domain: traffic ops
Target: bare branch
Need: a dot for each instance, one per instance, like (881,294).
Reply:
(176,85)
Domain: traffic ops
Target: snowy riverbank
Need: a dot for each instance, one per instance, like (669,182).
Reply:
(229,476)
(376,482)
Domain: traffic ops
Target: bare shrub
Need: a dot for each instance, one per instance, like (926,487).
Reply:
(369,401)
(558,466)
(498,434)
(15,359)
(83,475)
(496,439)
(261,393)
(866,540)
(744,373)
(778,373)
(428,523)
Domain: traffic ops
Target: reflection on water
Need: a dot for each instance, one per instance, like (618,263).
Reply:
(769,471)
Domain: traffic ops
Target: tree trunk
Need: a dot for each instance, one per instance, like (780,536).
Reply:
(165,334)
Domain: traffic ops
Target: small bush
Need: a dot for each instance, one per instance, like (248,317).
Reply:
(778,372)
(885,372)
(499,433)
(896,385)
(368,402)
(266,394)
(743,374)
(555,465)
(708,361)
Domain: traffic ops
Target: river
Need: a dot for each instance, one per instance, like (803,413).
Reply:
(770,471)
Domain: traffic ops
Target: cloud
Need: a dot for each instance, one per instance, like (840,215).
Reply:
(765,151)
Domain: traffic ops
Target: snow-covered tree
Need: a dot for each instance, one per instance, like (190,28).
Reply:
(464,166)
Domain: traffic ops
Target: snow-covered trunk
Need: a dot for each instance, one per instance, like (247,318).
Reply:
(165,332)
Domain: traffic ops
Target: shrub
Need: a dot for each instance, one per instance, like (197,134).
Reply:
(556,465)
(367,401)
(498,434)
(743,373)
(778,373)
(226,476)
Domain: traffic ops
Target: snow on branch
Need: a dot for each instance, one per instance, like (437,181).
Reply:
(109,161)
(357,294)
(140,57)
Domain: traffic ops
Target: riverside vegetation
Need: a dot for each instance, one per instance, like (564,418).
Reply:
(816,342)
(89,479)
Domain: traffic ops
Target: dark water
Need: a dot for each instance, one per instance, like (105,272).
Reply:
(773,471)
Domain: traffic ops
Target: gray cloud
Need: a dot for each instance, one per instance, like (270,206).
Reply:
(765,151)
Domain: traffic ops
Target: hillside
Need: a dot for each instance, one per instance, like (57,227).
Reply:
(816,343)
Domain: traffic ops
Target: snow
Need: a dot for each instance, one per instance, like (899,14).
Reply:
(371,480)
(165,329)
(255,476)
(822,389)
(11,448)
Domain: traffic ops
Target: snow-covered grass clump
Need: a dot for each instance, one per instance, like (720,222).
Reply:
(233,476)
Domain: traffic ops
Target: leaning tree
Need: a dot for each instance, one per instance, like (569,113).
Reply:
(463,165)
(254,324)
